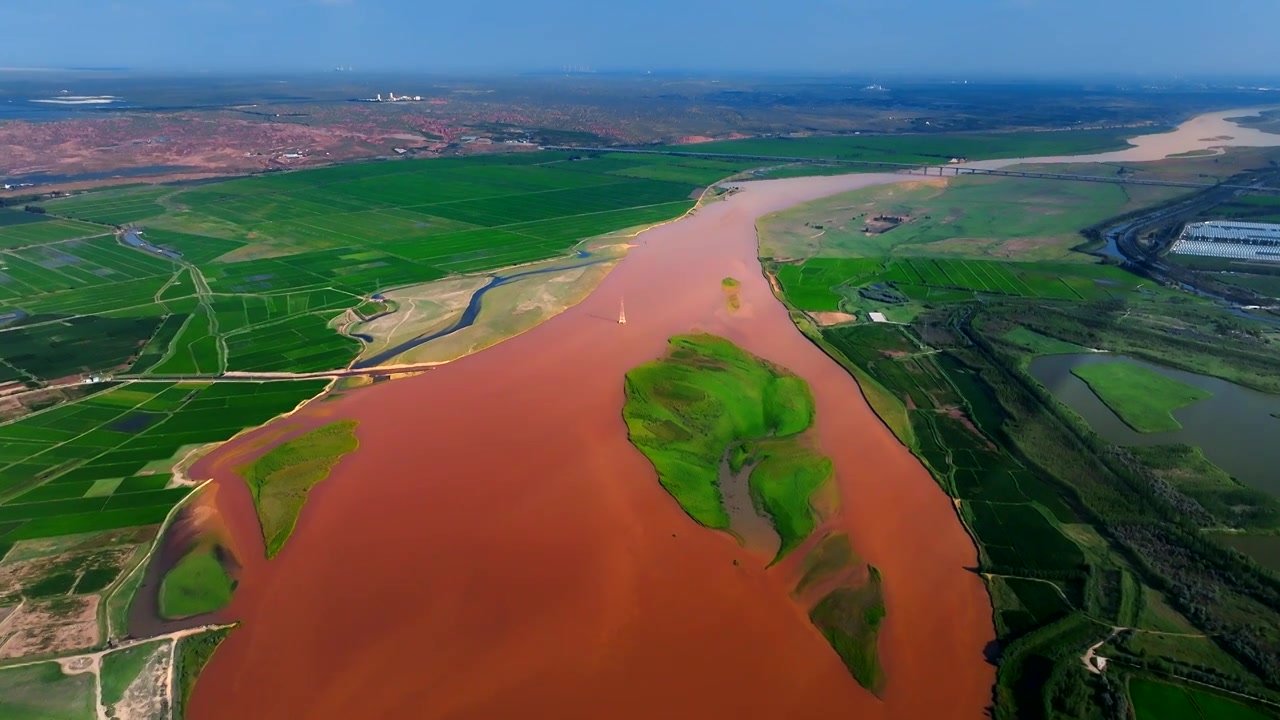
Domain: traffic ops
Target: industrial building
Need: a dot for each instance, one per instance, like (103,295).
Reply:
(1230,239)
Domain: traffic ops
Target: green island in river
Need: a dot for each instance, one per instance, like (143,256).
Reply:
(281,479)
(709,402)
(1143,399)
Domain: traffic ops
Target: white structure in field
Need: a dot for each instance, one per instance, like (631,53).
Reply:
(1231,240)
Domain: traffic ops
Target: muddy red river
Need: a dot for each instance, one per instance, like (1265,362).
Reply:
(497,548)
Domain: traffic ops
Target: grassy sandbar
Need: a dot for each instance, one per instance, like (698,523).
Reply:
(281,479)
(708,396)
(1142,398)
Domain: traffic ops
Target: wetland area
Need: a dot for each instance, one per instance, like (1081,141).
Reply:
(1235,427)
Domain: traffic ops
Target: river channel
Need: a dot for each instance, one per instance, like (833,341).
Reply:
(1235,427)
(497,548)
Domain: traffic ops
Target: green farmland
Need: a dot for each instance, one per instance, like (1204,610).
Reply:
(264,264)
(922,149)
(1161,701)
(103,462)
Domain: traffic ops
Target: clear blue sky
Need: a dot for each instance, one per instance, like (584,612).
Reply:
(859,36)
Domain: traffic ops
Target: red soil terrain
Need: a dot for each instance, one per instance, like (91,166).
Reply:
(497,548)
(212,142)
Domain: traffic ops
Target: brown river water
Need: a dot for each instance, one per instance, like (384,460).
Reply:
(497,548)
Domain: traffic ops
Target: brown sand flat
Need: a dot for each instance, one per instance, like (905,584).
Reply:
(497,548)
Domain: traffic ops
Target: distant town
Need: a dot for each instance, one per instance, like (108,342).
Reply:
(392,97)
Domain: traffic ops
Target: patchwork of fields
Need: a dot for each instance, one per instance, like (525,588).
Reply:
(922,149)
(268,262)
(822,283)
(104,462)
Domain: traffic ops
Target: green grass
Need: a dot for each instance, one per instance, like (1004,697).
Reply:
(281,479)
(43,692)
(196,585)
(121,667)
(1153,700)
(849,618)
(786,477)
(193,653)
(1142,398)
(977,218)
(922,149)
(707,395)
(1041,344)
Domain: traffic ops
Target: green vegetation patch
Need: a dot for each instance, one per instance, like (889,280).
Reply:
(193,653)
(281,479)
(196,585)
(1153,700)
(1142,398)
(781,484)
(1040,344)
(121,667)
(706,396)
(43,692)
(1232,503)
(850,620)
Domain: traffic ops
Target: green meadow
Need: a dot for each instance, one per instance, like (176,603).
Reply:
(922,149)
(281,479)
(196,585)
(707,396)
(1153,700)
(1144,399)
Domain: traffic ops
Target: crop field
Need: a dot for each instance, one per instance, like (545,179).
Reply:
(831,280)
(19,229)
(1007,506)
(922,149)
(964,217)
(102,462)
(112,207)
(1153,700)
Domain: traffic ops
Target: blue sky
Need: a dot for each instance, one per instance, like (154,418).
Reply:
(1029,37)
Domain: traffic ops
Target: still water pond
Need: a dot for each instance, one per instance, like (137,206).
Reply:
(1235,427)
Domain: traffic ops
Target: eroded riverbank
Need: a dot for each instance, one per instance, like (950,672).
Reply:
(497,544)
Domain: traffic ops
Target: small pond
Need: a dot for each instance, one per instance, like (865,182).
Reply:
(1235,427)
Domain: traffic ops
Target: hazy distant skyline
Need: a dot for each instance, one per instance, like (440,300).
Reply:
(1008,37)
